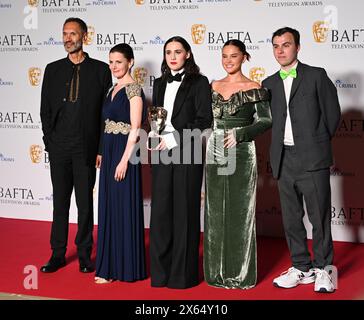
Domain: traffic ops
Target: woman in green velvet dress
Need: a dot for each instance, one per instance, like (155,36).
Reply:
(241,112)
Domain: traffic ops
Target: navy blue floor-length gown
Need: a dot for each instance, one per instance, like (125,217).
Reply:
(120,241)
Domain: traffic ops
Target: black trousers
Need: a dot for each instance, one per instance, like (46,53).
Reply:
(296,185)
(175,225)
(69,170)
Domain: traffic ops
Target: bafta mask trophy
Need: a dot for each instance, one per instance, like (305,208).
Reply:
(157,119)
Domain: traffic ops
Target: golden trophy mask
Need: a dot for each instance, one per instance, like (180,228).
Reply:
(35,152)
(34,76)
(140,74)
(33,3)
(256,74)
(90,35)
(157,119)
(198,33)
(320,31)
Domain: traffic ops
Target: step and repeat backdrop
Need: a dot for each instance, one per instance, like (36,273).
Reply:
(332,37)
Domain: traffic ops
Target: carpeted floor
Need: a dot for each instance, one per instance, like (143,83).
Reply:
(24,247)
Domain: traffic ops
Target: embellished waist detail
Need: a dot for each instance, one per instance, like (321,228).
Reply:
(116,127)
(230,123)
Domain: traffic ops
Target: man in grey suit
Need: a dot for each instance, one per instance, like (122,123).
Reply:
(306,113)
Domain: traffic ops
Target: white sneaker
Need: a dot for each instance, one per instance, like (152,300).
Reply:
(293,277)
(323,281)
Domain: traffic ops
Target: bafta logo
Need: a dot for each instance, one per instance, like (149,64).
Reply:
(139,2)
(140,75)
(33,3)
(90,35)
(320,31)
(198,33)
(257,74)
(34,76)
(35,152)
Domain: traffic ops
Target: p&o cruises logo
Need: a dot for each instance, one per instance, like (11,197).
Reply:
(101,3)
(341,84)
(4,158)
(6,82)
(156,41)
(51,41)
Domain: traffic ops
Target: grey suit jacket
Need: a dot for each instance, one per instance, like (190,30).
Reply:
(315,114)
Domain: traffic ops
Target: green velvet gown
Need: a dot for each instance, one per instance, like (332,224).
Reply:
(231,180)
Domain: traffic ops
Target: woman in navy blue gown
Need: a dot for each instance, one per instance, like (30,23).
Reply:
(120,243)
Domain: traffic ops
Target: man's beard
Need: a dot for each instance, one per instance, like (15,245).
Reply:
(75,47)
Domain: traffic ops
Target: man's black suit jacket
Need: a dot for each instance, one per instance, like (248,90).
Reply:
(95,80)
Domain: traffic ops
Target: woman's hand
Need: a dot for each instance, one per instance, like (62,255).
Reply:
(162,145)
(120,171)
(230,140)
(98,161)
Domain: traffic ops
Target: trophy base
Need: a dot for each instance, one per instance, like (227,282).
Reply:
(153,142)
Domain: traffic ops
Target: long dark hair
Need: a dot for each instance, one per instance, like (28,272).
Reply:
(190,66)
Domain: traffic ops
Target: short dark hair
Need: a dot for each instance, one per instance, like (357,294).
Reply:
(294,32)
(240,45)
(190,66)
(124,49)
(80,22)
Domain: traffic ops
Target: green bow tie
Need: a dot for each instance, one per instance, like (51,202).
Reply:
(284,74)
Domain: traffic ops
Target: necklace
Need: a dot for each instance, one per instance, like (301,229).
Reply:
(75,83)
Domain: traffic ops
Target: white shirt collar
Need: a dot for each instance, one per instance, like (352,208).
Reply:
(175,72)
